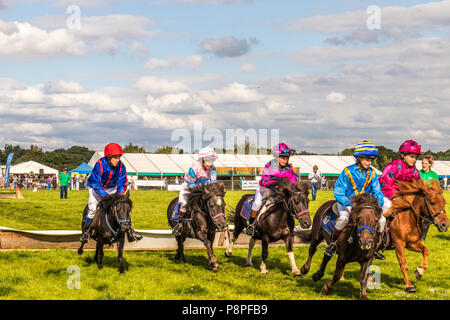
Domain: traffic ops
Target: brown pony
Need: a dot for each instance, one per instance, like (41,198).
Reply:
(356,243)
(413,203)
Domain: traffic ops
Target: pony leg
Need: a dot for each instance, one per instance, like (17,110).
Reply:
(180,249)
(364,275)
(312,250)
(231,242)
(212,261)
(100,254)
(120,244)
(290,252)
(319,274)
(251,244)
(340,266)
(400,252)
(420,247)
(264,255)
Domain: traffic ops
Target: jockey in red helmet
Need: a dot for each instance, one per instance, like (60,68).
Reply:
(108,176)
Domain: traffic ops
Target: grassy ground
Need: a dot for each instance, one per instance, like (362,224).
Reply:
(155,275)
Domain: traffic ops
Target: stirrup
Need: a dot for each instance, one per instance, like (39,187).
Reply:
(176,231)
(133,236)
(379,256)
(250,229)
(331,249)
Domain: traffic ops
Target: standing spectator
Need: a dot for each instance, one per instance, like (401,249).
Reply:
(15,182)
(77,182)
(445,183)
(64,178)
(427,175)
(314,178)
(165,183)
(177,181)
(324,183)
(54,184)
(49,183)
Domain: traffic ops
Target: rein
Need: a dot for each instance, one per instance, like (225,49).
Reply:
(291,202)
(114,210)
(431,217)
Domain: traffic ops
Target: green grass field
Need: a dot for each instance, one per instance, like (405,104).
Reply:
(43,274)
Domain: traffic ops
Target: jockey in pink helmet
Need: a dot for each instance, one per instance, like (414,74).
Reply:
(273,171)
(401,169)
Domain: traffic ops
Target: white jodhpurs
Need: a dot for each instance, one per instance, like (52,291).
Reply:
(182,196)
(261,192)
(94,198)
(344,214)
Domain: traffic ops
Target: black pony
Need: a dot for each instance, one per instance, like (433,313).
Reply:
(204,215)
(356,243)
(276,220)
(110,224)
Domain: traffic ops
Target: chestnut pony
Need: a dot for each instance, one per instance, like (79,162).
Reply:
(414,202)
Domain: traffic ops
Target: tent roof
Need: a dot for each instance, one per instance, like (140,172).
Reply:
(83,168)
(31,166)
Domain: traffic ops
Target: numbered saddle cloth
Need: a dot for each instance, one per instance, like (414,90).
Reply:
(247,207)
(175,213)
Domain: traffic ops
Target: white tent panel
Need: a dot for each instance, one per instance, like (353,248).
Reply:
(440,167)
(251,160)
(164,163)
(140,162)
(324,166)
(184,161)
(230,160)
(31,166)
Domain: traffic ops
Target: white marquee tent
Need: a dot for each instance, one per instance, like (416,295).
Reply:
(32,166)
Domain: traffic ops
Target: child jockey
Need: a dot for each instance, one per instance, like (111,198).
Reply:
(201,172)
(277,168)
(108,176)
(401,169)
(354,180)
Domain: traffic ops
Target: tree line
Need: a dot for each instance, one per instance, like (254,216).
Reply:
(74,156)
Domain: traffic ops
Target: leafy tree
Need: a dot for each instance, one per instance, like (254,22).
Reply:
(130,148)
(168,150)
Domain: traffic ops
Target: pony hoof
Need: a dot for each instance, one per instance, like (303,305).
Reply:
(364,298)
(325,291)
(100,267)
(80,251)
(296,273)
(317,276)
(304,270)
(410,289)
(418,275)
(264,272)
(249,264)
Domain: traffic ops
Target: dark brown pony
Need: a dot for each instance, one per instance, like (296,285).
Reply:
(356,243)
(110,224)
(204,215)
(277,220)
(413,203)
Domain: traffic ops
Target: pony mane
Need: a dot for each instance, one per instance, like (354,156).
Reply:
(196,194)
(404,198)
(364,200)
(284,187)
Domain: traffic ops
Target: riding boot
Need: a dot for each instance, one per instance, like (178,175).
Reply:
(376,254)
(426,226)
(132,235)
(251,223)
(85,230)
(331,249)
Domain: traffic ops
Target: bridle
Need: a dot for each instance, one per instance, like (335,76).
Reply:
(377,225)
(213,217)
(290,207)
(120,223)
(431,217)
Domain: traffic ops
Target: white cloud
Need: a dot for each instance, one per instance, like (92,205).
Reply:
(233,93)
(336,97)
(157,85)
(228,46)
(193,62)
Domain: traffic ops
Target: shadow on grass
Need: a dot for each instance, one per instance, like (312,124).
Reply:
(108,261)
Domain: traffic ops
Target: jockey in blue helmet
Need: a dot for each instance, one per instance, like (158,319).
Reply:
(354,180)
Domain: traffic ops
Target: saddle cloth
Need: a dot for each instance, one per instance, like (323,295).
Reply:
(175,213)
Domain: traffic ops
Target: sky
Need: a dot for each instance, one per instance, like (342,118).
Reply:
(323,74)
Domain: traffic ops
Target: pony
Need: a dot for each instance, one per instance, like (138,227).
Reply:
(110,224)
(356,243)
(204,215)
(275,221)
(415,202)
